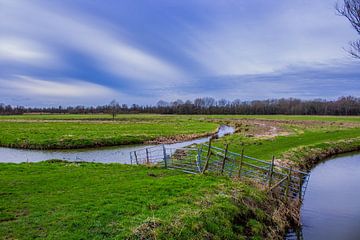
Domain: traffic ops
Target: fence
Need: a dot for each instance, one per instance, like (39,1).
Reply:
(206,158)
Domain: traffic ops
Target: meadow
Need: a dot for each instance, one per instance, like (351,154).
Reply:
(72,131)
(64,131)
(61,200)
(58,200)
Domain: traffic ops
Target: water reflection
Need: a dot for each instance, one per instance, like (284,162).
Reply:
(331,208)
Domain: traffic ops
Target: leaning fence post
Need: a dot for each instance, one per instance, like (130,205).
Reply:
(241,162)
(271,171)
(288,183)
(147,156)
(207,158)
(165,157)
(136,158)
(225,156)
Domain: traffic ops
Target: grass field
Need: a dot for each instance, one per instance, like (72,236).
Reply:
(79,131)
(57,200)
(76,132)
(112,201)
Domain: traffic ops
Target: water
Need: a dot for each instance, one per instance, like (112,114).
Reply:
(120,154)
(331,208)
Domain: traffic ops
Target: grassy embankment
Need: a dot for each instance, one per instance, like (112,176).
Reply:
(58,200)
(79,131)
(305,143)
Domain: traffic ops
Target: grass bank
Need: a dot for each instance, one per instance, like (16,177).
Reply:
(57,200)
(80,134)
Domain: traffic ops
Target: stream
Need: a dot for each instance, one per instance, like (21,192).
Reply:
(331,208)
(118,154)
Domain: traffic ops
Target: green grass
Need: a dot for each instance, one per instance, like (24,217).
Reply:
(291,117)
(132,117)
(69,134)
(55,131)
(111,201)
(266,148)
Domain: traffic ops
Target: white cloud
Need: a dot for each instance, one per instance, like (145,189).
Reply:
(290,32)
(71,29)
(15,49)
(33,87)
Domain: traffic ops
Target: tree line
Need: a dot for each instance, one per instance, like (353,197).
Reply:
(291,106)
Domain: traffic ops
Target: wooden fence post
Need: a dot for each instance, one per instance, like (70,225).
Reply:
(271,171)
(136,158)
(207,158)
(241,163)
(165,156)
(147,156)
(225,156)
(131,158)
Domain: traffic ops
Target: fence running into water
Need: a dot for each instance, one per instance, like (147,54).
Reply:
(206,158)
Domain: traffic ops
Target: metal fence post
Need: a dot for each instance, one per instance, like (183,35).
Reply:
(165,157)
(301,179)
(271,171)
(288,184)
(198,158)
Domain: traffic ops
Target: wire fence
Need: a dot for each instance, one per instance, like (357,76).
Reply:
(289,182)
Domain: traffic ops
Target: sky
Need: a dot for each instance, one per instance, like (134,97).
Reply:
(88,52)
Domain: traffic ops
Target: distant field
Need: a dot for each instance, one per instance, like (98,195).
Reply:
(292,117)
(131,117)
(92,130)
(39,134)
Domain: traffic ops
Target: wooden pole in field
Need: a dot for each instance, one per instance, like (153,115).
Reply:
(207,158)
(136,158)
(241,162)
(271,171)
(147,156)
(224,159)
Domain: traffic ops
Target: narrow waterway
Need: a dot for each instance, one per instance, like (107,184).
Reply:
(119,154)
(331,208)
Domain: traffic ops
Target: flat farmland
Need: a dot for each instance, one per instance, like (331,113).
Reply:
(80,131)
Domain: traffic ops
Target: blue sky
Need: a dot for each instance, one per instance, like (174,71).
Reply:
(86,52)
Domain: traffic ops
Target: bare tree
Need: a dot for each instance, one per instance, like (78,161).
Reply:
(351,10)
(114,108)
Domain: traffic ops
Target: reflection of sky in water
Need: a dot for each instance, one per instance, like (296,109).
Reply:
(120,154)
(331,209)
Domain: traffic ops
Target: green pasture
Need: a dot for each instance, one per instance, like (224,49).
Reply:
(57,200)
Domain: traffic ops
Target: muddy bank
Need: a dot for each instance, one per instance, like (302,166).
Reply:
(179,138)
(221,131)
